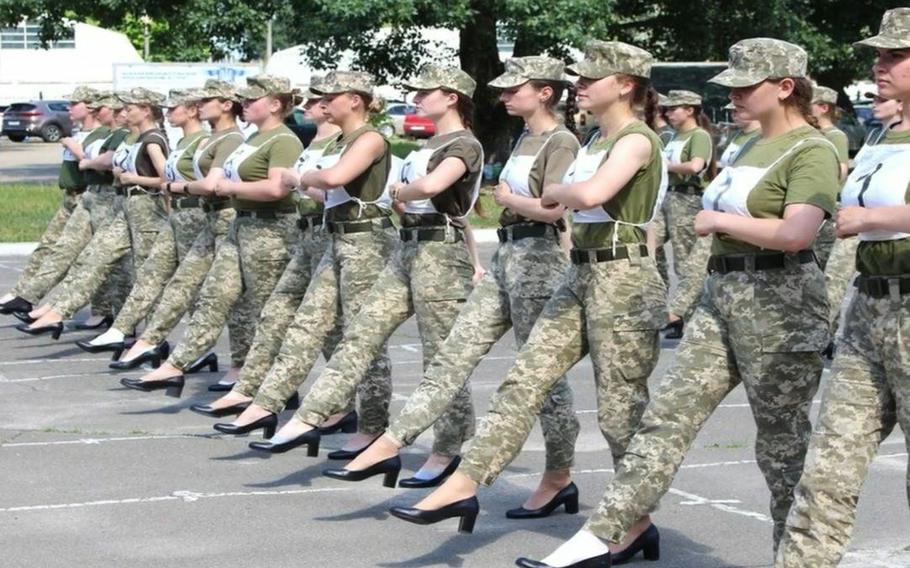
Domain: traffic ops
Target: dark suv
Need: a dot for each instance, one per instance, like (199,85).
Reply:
(48,119)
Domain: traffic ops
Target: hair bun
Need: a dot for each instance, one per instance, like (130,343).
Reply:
(377,104)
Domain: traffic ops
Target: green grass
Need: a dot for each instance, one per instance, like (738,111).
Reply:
(25,210)
(491,211)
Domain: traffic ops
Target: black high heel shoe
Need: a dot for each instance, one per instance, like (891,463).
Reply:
(390,468)
(55,329)
(207,410)
(648,543)
(568,496)
(117,347)
(268,424)
(172,386)
(348,425)
(602,561)
(221,387)
(417,483)
(154,355)
(309,439)
(348,455)
(465,510)
(24,318)
(17,304)
(210,361)
(105,323)
(673,330)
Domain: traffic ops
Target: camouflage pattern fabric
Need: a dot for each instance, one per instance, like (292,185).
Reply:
(432,77)
(265,85)
(676,98)
(757,59)
(335,82)
(605,58)
(839,274)
(520,70)
(680,210)
(824,242)
(894,32)
(689,288)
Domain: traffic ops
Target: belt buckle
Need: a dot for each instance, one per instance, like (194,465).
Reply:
(749,262)
(591,255)
(894,289)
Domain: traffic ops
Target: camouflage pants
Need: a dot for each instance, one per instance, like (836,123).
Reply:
(279,309)
(49,265)
(429,279)
(824,242)
(512,294)
(345,275)
(689,288)
(839,273)
(180,293)
(134,228)
(610,311)
(764,329)
(171,247)
(244,272)
(681,209)
(869,391)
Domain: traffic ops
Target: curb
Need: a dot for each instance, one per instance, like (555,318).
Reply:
(25,249)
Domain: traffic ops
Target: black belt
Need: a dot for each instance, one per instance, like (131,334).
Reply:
(880,286)
(686,189)
(585,256)
(190,202)
(265,214)
(209,207)
(348,227)
(524,230)
(136,189)
(309,222)
(437,234)
(757,262)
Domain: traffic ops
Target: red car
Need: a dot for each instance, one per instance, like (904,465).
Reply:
(418,126)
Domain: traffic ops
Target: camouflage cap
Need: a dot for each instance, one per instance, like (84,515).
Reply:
(605,58)
(265,85)
(682,98)
(894,32)
(442,77)
(141,96)
(82,94)
(336,82)
(218,89)
(315,83)
(520,70)
(106,99)
(824,95)
(661,100)
(758,59)
(177,97)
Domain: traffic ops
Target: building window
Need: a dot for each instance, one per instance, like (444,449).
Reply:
(28,36)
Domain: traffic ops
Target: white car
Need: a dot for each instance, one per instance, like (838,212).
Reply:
(397,111)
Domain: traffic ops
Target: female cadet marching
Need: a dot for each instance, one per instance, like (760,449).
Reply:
(70,230)
(279,310)
(354,172)
(611,300)
(142,215)
(218,105)
(869,389)
(825,111)
(761,320)
(185,220)
(250,261)
(430,274)
(526,268)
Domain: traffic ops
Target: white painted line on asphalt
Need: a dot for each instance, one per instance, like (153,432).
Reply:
(39,361)
(97,441)
(185,496)
(725,505)
(48,378)
(8,267)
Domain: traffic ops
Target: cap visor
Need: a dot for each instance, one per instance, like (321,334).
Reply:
(733,79)
(508,81)
(585,69)
(884,42)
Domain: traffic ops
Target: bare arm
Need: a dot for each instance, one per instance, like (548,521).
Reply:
(795,232)
(690,168)
(362,153)
(471,242)
(156,154)
(853,220)
(449,171)
(528,207)
(269,189)
(102,163)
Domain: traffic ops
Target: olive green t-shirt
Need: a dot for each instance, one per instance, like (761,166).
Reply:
(111,143)
(839,139)
(699,145)
(666,133)
(886,258)
(189,144)
(549,167)
(634,203)
(809,174)
(276,148)
(739,139)
(305,205)
(455,200)
(71,177)
(214,151)
(368,186)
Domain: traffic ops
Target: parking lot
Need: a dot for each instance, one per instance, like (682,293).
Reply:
(32,161)
(96,475)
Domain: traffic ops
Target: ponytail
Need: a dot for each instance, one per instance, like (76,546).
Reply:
(705,124)
(801,99)
(571,106)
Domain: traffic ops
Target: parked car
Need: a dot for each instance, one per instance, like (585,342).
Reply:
(304,128)
(48,119)
(418,126)
(397,111)
(2,110)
